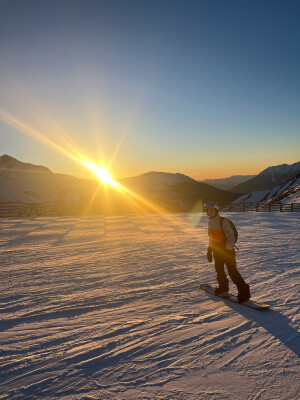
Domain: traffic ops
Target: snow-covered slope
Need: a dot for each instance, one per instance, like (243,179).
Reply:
(288,192)
(109,308)
(268,178)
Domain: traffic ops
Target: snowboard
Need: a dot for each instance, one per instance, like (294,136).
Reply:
(231,297)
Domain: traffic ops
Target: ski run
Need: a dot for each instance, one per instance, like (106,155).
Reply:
(109,307)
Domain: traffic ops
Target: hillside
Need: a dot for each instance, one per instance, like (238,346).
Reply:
(32,183)
(268,178)
(177,188)
(288,192)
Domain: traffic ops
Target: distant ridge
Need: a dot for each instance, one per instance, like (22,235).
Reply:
(158,178)
(9,164)
(269,177)
(177,187)
(27,182)
(228,183)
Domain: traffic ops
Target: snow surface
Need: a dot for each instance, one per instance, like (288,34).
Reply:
(293,198)
(254,197)
(110,308)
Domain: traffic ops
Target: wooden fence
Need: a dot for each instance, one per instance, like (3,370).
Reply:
(259,207)
(20,209)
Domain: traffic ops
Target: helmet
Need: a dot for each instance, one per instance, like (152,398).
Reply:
(211,205)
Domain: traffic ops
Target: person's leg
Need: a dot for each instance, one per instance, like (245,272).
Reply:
(221,275)
(236,277)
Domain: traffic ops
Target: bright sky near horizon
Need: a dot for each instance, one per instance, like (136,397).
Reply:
(207,88)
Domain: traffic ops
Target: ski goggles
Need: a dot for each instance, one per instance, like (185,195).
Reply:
(211,205)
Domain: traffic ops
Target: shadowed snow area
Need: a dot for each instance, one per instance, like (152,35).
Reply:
(110,308)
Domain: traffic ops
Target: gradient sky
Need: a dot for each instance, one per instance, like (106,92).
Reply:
(206,88)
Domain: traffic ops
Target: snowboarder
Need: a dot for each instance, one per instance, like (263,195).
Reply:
(221,245)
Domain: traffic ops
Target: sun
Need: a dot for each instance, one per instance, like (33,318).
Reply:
(102,174)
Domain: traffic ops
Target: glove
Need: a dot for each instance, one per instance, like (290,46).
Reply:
(209,254)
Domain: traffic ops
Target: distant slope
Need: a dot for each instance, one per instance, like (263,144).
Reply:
(228,183)
(11,166)
(288,192)
(33,183)
(268,178)
(176,188)
(156,179)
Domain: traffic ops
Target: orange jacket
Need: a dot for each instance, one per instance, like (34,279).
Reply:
(219,235)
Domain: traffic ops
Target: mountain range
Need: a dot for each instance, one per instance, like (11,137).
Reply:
(29,183)
(228,183)
(24,182)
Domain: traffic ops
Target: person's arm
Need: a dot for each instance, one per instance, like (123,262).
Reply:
(209,254)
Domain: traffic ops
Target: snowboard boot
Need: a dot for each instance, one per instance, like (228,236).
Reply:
(220,291)
(244,294)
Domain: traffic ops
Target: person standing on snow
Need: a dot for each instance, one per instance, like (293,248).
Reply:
(221,246)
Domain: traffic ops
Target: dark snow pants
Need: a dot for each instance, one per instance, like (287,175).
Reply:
(227,257)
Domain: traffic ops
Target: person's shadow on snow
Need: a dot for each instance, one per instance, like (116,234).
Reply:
(272,321)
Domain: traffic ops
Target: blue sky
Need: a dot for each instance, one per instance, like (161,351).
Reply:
(206,88)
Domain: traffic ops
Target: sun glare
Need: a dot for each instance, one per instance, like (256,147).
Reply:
(141,203)
(102,174)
